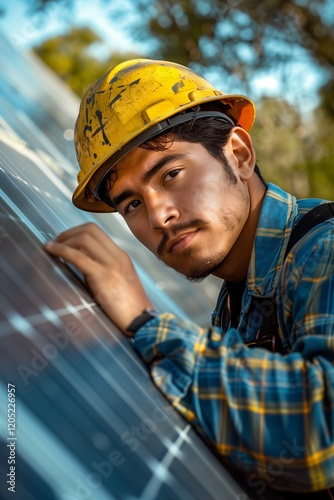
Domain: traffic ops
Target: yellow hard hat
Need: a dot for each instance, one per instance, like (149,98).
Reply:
(130,104)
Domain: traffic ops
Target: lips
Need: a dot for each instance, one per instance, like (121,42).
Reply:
(180,242)
(172,238)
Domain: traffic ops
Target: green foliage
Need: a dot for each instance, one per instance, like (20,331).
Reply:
(319,163)
(239,37)
(235,39)
(72,57)
(278,136)
(293,150)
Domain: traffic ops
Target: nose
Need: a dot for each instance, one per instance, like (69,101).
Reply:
(161,210)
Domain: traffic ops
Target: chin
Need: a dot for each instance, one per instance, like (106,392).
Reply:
(202,270)
(196,268)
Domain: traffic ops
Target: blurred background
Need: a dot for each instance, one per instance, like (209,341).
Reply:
(279,53)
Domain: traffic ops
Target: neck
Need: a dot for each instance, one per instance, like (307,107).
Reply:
(235,265)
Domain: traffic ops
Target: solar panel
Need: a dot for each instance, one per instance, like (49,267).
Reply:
(80,417)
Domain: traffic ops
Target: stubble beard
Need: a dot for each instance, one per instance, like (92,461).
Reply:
(202,268)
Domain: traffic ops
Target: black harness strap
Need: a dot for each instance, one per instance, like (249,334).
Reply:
(315,216)
(268,336)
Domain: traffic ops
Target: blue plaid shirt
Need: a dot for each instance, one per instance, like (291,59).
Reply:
(270,415)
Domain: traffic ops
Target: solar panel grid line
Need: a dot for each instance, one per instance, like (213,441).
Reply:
(39,100)
(57,461)
(87,392)
(28,289)
(65,369)
(30,162)
(33,140)
(98,401)
(142,453)
(48,145)
(42,318)
(36,320)
(83,388)
(47,283)
(72,410)
(31,231)
(160,469)
(34,159)
(5,128)
(21,215)
(13,321)
(219,476)
(11,142)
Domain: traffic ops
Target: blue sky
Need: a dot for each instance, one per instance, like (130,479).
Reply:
(25,30)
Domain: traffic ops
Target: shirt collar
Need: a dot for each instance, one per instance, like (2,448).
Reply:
(276,218)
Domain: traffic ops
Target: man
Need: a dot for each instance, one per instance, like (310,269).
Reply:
(161,146)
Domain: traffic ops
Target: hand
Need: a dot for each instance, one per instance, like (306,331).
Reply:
(108,271)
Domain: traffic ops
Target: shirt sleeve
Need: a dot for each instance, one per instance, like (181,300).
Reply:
(270,415)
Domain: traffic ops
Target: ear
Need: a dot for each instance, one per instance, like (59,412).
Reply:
(242,151)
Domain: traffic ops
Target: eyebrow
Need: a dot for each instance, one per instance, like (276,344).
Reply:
(148,176)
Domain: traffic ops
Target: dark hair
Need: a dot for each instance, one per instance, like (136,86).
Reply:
(212,133)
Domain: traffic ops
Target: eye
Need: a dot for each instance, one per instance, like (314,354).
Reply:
(172,174)
(131,207)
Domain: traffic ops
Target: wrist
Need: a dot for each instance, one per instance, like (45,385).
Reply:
(141,320)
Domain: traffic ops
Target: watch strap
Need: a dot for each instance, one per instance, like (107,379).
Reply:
(142,319)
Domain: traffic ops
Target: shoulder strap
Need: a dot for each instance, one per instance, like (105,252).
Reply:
(268,335)
(312,218)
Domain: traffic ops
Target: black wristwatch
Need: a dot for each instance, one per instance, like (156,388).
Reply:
(142,319)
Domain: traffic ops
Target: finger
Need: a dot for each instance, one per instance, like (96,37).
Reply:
(89,228)
(104,252)
(93,264)
(74,256)
(76,230)
(93,241)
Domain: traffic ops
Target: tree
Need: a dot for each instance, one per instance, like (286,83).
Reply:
(294,150)
(279,138)
(235,39)
(319,149)
(71,57)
